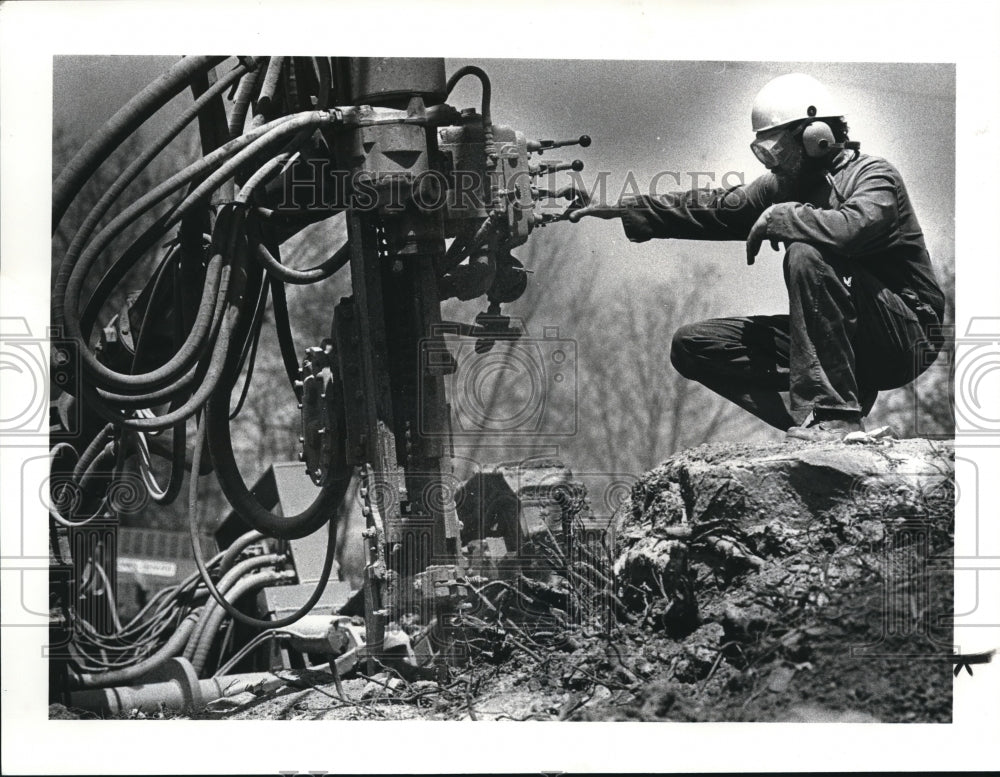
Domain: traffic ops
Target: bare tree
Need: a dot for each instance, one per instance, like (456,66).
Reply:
(639,409)
(631,408)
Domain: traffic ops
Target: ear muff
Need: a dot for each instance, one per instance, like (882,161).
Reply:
(818,140)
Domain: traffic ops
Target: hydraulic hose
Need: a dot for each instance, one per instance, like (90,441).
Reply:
(322,65)
(204,328)
(213,128)
(265,101)
(212,375)
(215,617)
(230,554)
(273,267)
(324,576)
(130,674)
(153,398)
(249,354)
(243,501)
(131,116)
(104,459)
(216,428)
(285,274)
(129,174)
(228,580)
(229,225)
(92,451)
(165,495)
(489,145)
(244,94)
(283,329)
(97,371)
(178,439)
(264,173)
(107,378)
(478,72)
(159,193)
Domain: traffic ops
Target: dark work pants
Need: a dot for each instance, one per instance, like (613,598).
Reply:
(846,337)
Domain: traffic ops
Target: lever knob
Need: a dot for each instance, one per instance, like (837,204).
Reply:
(542,145)
(543,169)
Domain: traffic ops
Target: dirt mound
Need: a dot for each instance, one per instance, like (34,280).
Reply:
(795,582)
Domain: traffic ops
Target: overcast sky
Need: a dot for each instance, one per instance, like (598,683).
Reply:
(651,116)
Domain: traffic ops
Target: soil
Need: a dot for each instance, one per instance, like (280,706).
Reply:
(795,582)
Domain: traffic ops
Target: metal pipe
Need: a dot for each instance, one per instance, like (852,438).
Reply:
(175,695)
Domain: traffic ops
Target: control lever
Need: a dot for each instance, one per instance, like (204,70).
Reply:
(544,169)
(489,328)
(492,326)
(543,145)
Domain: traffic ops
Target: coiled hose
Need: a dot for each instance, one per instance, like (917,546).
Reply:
(98,373)
(126,121)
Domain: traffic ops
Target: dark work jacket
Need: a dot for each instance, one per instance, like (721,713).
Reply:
(859,209)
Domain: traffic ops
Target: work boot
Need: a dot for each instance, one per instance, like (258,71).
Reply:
(826,430)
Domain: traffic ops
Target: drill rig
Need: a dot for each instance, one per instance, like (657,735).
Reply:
(297,140)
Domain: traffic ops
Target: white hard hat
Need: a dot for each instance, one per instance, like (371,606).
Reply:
(789,98)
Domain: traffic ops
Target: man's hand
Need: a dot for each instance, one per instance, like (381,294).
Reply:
(757,234)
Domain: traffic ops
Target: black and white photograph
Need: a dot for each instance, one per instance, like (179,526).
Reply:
(645,388)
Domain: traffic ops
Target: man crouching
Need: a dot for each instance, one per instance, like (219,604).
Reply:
(865,308)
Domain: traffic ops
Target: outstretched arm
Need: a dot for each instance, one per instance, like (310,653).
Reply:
(697,214)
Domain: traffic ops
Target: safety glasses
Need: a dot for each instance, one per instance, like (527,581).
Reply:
(771,150)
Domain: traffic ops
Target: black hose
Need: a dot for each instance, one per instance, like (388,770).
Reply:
(213,129)
(478,72)
(92,366)
(214,617)
(283,329)
(194,346)
(92,451)
(315,274)
(132,115)
(322,65)
(129,174)
(177,389)
(194,171)
(266,101)
(216,366)
(249,355)
(242,500)
(324,576)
